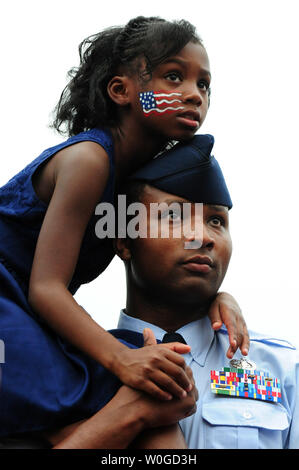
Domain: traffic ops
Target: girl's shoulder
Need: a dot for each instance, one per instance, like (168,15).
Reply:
(24,181)
(82,164)
(102,137)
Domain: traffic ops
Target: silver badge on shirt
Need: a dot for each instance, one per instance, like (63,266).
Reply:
(242,363)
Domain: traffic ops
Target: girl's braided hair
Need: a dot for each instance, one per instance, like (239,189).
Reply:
(85,103)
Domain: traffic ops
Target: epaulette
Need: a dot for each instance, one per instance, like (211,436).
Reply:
(270,340)
(264,338)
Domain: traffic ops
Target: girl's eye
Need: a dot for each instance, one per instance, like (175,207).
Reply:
(204,85)
(173,77)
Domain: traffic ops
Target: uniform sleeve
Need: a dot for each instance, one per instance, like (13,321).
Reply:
(293,441)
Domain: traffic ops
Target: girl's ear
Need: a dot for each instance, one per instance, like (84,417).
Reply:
(118,90)
(122,249)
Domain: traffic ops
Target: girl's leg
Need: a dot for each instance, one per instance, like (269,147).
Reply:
(127,416)
(54,437)
(169,437)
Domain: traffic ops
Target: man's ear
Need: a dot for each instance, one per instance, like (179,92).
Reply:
(118,90)
(122,249)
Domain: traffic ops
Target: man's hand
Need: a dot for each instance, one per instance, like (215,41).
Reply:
(225,310)
(152,413)
(157,369)
(128,413)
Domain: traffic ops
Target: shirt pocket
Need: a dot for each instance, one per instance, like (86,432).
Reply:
(235,423)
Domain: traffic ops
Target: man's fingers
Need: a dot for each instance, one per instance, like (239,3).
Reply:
(149,337)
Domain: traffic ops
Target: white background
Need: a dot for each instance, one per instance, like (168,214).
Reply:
(253,48)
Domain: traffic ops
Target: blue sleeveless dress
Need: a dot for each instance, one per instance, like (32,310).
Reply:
(46,382)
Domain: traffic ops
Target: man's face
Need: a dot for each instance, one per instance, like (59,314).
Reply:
(163,267)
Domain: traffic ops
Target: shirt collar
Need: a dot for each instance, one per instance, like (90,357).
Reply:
(197,334)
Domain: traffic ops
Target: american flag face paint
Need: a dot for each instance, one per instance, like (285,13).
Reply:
(160,102)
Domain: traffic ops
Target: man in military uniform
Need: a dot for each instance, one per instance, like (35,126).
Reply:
(168,290)
(248,403)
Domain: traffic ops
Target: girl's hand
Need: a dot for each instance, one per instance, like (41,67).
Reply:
(225,310)
(153,413)
(157,369)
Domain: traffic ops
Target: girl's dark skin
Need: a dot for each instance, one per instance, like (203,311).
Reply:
(131,419)
(72,184)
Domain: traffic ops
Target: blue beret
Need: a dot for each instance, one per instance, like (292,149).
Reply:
(188,170)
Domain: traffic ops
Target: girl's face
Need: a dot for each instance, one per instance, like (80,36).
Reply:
(175,101)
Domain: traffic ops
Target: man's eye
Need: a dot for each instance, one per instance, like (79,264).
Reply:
(217,221)
(173,77)
(173,215)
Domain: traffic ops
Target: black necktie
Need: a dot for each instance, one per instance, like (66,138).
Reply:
(172,338)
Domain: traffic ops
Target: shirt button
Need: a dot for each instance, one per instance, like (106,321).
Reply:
(247,414)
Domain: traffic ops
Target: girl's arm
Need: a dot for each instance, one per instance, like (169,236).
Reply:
(226,310)
(128,415)
(80,175)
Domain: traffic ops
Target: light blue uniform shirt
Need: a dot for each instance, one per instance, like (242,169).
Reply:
(226,422)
